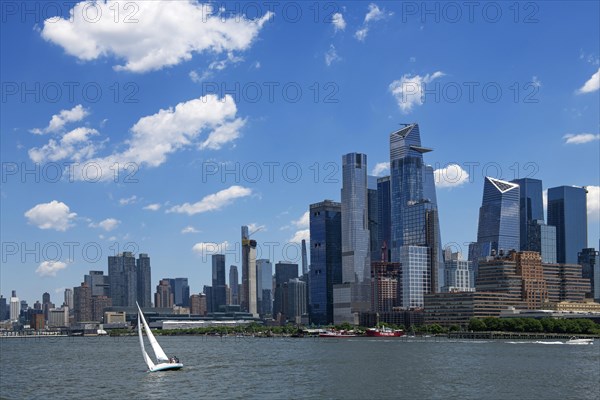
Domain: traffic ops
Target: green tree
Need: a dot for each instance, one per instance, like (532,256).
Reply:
(477,325)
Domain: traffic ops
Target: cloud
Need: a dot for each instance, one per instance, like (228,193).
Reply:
(128,200)
(253,227)
(339,24)
(374,14)
(593,202)
(545,200)
(381,168)
(303,221)
(580,138)
(189,229)
(536,82)
(300,235)
(212,202)
(54,215)
(50,268)
(408,90)
(592,85)
(74,145)
(152,35)
(152,207)
(210,247)
(108,224)
(451,176)
(331,56)
(58,121)
(155,137)
(197,78)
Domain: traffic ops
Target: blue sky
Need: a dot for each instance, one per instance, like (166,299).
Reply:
(171,109)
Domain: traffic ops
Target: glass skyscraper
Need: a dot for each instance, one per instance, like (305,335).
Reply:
(219,291)
(373,218)
(384,215)
(531,208)
(122,278)
(144,280)
(181,291)
(234,282)
(356,238)
(567,211)
(264,289)
(589,259)
(325,259)
(415,230)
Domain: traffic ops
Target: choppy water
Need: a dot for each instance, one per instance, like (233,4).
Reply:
(357,368)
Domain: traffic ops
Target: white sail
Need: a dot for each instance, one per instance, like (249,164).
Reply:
(158,351)
(146,356)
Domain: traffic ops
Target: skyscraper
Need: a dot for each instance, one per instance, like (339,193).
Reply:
(69,298)
(98,283)
(373,218)
(459,274)
(589,259)
(499,215)
(248,272)
(356,239)
(234,282)
(384,215)
(3,308)
(283,273)
(325,259)
(123,279)
(415,229)
(567,211)
(296,300)
(531,207)
(82,299)
(304,258)
(181,291)
(264,287)
(218,281)
(144,281)
(542,239)
(163,298)
(15,307)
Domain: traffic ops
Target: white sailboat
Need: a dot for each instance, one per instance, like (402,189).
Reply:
(164,363)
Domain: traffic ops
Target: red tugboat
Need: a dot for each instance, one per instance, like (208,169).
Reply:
(384,332)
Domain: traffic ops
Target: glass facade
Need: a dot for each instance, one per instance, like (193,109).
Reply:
(181,291)
(416,275)
(234,282)
(567,211)
(414,215)
(123,280)
(499,215)
(373,215)
(531,208)
(384,215)
(219,291)
(356,238)
(144,281)
(589,259)
(283,273)
(264,282)
(325,259)
(542,238)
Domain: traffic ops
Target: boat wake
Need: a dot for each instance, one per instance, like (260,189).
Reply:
(536,342)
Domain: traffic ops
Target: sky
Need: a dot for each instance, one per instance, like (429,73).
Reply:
(163,127)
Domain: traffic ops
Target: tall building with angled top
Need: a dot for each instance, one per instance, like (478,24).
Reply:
(415,229)
(325,259)
(567,211)
(248,273)
(499,217)
(356,239)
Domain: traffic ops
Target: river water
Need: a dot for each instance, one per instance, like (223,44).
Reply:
(311,368)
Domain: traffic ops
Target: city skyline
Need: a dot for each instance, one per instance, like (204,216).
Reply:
(190,199)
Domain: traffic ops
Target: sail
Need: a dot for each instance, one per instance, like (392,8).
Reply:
(158,351)
(146,356)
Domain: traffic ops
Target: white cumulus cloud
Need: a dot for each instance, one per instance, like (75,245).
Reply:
(128,200)
(54,215)
(591,85)
(108,224)
(339,24)
(374,14)
(152,207)
(205,248)
(50,268)
(593,203)
(453,175)
(303,221)
(381,168)
(149,35)
(408,90)
(58,121)
(212,202)
(303,234)
(580,138)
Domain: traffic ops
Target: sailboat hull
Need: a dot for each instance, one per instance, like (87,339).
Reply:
(166,367)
